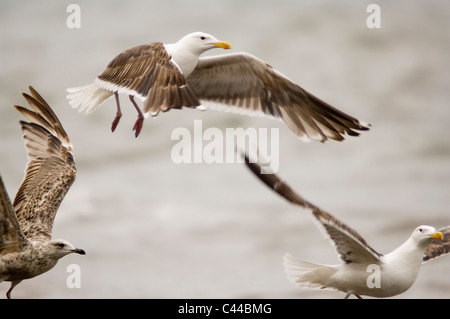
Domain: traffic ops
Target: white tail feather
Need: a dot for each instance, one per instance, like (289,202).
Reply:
(87,98)
(306,274)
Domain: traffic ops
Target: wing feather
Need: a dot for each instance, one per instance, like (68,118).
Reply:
(148,72)
(350,246)
(438,248)
(239,79)
(50,170)
(11,237)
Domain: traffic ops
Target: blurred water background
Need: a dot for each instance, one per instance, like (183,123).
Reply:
(155,229)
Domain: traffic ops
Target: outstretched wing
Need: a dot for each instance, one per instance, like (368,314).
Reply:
(148,72)
(438,248)
(50,170)
(11,237)
(350,246)
(242,83)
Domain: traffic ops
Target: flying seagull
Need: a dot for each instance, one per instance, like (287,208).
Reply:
(363,270)
(168,76)
(26,246)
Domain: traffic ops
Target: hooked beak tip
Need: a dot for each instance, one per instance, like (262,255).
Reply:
(437,235)
(79,251)
(223,45)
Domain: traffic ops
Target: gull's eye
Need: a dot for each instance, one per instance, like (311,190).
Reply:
(420,229)
(202,38)
(61,245)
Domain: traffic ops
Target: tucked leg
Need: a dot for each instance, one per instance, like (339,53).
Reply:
(13,284)
(118,113)
(349,294)
(140,121)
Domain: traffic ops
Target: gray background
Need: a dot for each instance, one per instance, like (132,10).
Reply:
(154,229)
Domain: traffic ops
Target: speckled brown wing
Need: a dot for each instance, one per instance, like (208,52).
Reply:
(148,72)
(50,170)
(438,248)
(11,237)
(242,83)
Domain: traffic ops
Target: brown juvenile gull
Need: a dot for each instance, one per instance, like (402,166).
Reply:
(26,245)
(363,271)
(168,76)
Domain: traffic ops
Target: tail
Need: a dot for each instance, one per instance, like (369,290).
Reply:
(306,274)
(87,98)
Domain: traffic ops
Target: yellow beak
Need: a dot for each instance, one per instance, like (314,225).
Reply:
(223,45)
(437,235)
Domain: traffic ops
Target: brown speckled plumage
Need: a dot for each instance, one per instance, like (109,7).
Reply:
(26,245)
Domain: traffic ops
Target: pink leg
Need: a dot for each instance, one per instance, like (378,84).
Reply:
(140,120)
(118,113)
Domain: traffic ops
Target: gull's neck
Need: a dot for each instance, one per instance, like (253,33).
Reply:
(184,58)
(409,254)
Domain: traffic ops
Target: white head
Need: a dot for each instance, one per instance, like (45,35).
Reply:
(423,235)
(58,248)
(199,42)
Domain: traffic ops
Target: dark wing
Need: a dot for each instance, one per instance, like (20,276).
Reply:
(50,170)
(147,71)
(438,248)
(11,237)
(244,83)
(350,246)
